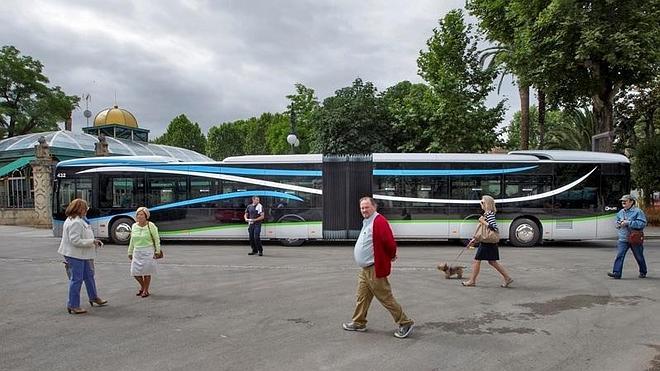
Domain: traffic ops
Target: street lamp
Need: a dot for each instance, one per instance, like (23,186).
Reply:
(292,138)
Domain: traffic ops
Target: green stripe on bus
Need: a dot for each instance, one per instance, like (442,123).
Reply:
(233,226)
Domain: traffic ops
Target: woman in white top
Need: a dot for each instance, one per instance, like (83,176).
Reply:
(143,249)
(78,247)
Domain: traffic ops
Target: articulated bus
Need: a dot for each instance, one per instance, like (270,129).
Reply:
(541,195)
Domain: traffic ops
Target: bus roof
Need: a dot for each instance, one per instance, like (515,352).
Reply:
(513,156)
(574,156)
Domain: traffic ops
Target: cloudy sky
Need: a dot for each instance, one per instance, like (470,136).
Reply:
(219,61)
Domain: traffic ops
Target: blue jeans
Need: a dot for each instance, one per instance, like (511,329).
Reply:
(80,271)
(254,230)
(621,249)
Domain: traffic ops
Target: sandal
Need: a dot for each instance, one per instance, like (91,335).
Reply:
(144,294)
(139,293)
(468,284)
(507,283)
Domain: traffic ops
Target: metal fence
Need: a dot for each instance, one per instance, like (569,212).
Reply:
(17,189)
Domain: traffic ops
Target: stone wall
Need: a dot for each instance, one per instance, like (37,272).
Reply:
(26,217)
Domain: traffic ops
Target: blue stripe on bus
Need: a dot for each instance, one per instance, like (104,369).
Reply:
(394,172)
(200,200)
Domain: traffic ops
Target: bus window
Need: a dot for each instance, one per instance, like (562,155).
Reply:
(528,185)
(165,190)
(121,192)
(583,195)
(67,192)
(472,188)
(202,187)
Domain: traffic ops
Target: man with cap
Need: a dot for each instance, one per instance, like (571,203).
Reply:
(630,218)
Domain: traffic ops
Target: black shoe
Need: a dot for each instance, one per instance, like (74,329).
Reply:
(642,275)
(252,253)
(261,254)
(613,276)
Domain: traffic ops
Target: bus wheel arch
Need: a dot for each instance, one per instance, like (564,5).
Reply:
(291,241)
(120,230)
(525,231)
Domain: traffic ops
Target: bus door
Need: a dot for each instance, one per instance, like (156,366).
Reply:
(346,179)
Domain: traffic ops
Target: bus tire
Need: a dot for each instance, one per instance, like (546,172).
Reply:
(291,241)
(524,233)
(120,232)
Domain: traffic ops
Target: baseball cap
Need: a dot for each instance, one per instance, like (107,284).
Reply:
(626,198)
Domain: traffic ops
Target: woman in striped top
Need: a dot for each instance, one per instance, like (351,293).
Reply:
(488,251)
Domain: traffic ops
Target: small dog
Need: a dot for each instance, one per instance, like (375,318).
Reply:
(451,270)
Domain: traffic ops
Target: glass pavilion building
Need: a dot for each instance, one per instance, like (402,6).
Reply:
(115,133)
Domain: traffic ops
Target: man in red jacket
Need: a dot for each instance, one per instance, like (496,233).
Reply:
(375,250)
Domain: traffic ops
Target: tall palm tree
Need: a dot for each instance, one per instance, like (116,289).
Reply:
(496,56)
(574,132)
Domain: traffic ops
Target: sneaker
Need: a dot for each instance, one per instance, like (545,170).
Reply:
(642,275)
(352,326)
(261,254)
(404,331)
(613,276)
(252,253)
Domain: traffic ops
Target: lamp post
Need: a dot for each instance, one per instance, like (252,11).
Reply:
(292,138)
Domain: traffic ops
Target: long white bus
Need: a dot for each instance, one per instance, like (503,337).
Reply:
(541,195)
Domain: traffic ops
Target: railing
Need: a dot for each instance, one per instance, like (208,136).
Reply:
(17,189)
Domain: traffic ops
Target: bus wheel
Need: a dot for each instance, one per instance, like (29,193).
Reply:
(524,233)
(291,241)
(120,232)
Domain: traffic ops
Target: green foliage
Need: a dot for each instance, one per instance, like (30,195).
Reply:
(591,49)
(181,132)
(354,120)
(637,114)
(304,106)
(27,105)
(570,130)
(458,118)
(409,107)
(645,169)
(225,140)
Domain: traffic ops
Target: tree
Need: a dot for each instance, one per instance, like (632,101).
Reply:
(27,105)
(590,49)
(225,140)
(645,169)
(637,114)
(353,121)
(181,132)
(501,28)
(458,118)
(408,106)
(304,106)
(554,119)
(574,131)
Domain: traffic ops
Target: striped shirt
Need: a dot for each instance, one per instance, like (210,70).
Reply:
(490,219)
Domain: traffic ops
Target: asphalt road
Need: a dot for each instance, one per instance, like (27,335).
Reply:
(215,308)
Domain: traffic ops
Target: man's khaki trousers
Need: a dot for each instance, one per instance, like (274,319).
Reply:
(370,286)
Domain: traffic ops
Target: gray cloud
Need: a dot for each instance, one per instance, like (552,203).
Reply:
(219,61)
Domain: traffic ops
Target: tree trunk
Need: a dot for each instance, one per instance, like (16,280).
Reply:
(603,106)
(523,90)
(541,97)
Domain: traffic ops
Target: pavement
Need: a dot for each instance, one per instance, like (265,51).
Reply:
(215,308)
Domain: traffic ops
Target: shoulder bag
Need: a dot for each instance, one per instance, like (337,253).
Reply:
(636,237)
(485,234)
(157,255)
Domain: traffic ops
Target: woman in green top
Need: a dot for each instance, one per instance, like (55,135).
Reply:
(144,245)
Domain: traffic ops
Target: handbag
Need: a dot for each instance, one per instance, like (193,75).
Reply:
(636,237)
(485,234)
(157,255)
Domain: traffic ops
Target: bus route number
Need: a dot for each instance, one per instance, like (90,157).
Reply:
(61,175)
